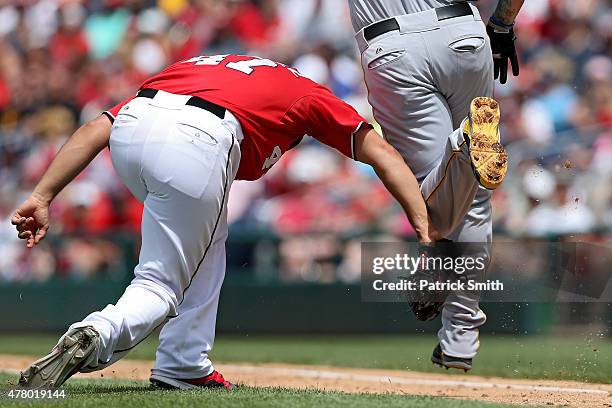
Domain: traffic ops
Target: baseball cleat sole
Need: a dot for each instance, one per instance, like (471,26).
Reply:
(65,360)
(168,383)
(487,155)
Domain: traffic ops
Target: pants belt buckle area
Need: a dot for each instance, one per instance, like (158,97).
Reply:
(391,24)
(195,101)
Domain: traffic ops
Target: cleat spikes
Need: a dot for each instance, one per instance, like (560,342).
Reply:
(488,156)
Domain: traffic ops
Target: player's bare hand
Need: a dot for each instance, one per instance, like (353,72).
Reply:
(432,234)
(32,220)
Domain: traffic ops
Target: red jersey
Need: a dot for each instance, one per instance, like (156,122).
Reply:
(274,104)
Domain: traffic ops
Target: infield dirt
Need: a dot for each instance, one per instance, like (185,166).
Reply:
(493,389)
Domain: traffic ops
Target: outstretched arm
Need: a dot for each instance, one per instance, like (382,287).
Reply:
(32,216)
(397,177)
(332,121)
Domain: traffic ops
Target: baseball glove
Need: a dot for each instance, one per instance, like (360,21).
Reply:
(427,304)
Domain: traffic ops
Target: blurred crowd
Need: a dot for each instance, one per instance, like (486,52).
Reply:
(62,62)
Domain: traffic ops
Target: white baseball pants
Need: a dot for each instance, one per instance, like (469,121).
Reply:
(180,161)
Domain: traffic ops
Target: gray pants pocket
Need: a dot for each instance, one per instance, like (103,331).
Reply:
(385,58)
(469,44)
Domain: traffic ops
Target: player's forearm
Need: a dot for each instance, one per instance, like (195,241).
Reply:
(402,184)
(397,177)
(82,147)
(507,10)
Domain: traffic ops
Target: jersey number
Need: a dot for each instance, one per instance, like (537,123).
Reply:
(274,157)
(245,66)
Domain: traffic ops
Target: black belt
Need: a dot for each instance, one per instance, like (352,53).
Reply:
(391,24)
(218,111)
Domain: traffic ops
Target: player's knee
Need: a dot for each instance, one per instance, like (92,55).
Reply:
(168,296)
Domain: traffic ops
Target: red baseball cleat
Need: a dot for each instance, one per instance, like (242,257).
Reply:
(212,380)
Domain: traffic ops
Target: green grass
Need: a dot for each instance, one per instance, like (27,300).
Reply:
(582,359)
(114,393)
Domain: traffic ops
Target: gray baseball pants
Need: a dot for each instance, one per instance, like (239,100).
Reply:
(421,80)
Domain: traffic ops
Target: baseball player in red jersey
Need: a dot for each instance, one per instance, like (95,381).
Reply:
(178,145)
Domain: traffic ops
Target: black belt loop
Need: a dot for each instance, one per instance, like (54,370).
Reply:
(391,24)
(374,30)
(218,111)
(147,93)
(454,10)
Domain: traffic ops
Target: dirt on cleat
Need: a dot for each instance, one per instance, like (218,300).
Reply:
(488,156)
